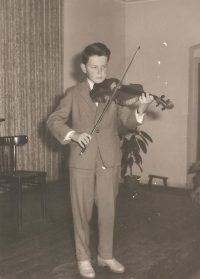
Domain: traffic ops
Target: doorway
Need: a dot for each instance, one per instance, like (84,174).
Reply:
(193,131)
(198,128)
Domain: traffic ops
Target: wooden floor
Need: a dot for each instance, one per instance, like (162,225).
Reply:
(157,236)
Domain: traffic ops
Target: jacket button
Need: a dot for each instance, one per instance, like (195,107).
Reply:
(97,131)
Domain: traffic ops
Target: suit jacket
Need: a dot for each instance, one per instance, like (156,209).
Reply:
(84,114)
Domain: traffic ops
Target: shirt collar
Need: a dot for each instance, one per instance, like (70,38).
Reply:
(91,83)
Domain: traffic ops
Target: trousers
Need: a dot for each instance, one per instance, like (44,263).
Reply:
(100,186)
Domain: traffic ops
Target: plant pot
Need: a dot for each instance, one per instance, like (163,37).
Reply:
(132,182)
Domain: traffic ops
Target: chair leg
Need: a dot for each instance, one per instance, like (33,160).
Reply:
(13,189)
(150,181)
(165,182)
(19,202)
(44,197)
(12,202)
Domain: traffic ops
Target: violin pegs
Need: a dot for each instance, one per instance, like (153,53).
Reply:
(163,96)
(162,108)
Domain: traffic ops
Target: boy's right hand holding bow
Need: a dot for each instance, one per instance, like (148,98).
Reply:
(82,139)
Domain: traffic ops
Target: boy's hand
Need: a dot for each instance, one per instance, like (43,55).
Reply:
(144,102)
(82,139)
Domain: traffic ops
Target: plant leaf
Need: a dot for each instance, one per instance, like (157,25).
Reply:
(146,136)
(142,145)
(138,161)
(124,157)
(124,143)
(129,133)
(139,167)
(130,162)
(138,158)
(124,170)
(133,144)
(143,138)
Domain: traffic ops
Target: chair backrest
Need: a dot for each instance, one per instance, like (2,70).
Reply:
(8,154)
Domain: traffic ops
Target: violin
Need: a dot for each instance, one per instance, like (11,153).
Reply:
(102,92)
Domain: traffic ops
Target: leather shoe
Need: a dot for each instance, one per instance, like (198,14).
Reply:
(113,264)
(85,269)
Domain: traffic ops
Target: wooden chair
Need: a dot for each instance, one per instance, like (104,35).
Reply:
(14,179)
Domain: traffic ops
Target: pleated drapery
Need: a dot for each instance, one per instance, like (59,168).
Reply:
(31,78)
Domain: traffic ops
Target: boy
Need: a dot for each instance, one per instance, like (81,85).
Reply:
(94,176)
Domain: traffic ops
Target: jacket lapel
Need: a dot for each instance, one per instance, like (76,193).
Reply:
(85,96)
(100,109)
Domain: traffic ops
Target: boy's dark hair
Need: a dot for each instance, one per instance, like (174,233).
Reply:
(95,49)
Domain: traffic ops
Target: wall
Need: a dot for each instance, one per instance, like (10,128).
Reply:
(90,21)
(165,30)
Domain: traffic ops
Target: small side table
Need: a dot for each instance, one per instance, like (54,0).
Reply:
(151,176)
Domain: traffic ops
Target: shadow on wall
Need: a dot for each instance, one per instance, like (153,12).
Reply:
(76,73)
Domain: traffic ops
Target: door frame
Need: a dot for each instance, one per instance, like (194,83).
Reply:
(193,110)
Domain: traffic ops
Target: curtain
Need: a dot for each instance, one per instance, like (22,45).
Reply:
(31,81)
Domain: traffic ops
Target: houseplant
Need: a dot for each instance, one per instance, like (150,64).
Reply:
(133,142)
(195,194)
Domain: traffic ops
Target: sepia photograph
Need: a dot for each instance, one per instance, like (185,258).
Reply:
(100,139)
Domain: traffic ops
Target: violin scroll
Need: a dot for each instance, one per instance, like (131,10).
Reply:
(165,104)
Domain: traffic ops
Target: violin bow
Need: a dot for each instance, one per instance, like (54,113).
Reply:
(110,100)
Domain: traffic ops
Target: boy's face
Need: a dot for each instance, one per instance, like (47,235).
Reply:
(96,68)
